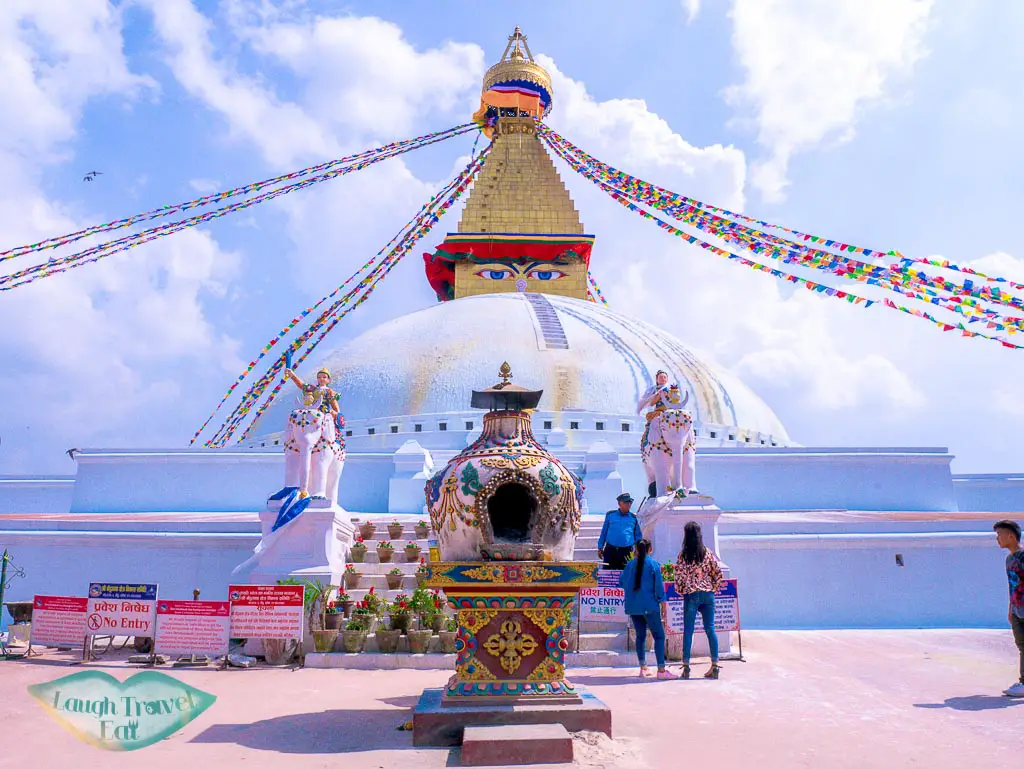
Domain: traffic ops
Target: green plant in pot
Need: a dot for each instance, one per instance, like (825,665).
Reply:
(352,576)
(422,530)
(429,606)
(367,530)
(422,571)
(385,551)
(395,530)
(346,602)
(400,612)
(412,552)
(353,637)
(448,634)
(323,637)
(395,577)
(335,615)
(387,640)
(419,641)
(358,550)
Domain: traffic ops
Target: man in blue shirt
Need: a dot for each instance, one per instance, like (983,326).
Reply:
(619,535)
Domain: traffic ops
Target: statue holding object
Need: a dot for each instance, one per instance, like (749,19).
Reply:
(668,445)
(314,446)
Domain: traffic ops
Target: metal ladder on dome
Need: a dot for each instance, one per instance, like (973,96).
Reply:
(547,319)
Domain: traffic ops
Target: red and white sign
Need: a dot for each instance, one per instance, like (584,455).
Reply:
(266,611)
(117,608)
(192,627)
(59,620)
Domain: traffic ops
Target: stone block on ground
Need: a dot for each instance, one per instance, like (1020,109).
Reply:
(516,744)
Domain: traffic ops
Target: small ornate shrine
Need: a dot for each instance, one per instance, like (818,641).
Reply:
(507,514)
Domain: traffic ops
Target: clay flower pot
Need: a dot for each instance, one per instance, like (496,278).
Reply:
(387,640)
(395,530)
(422,532)
(400,622)
(358,552)
(432,622)
(323,640)
(334,621)
(447,641)
(367,530)
(385,554)
(279,651)
(419,641)
(421,577)
(346,607)
(352,579)
(412,553)
(395,581)
(353,641)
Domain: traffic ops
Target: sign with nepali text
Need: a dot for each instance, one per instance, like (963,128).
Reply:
(117,608)
(192,627)
(605,602)
(266,611)
(727,609)
(59,620)
(111,715)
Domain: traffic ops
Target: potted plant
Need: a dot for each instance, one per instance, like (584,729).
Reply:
(395,530)
(346,602)
(412,552)
(419,641)
(335,615)
(429,605)
(352,576)
(422,530)
(569,631)
(387,640)
(422,571)
(448,635)
(395,579)
(280,651)
(668,572)
(384,551)
(323,638)
(353,637)
(367,530)
(400,613)
(358,550)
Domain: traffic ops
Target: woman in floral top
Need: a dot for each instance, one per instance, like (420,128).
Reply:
(698,577)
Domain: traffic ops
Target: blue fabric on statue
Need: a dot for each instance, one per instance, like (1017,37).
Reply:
(282,493)
(290,510)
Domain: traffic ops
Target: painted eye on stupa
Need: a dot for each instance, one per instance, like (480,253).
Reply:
(546,274)
(494,274)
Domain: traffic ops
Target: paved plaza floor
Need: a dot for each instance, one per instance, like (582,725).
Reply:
(830,699)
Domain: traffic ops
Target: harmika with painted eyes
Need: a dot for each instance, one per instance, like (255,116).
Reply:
(520,273)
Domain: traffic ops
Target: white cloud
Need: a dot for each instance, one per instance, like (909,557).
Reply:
(692,8)
(204,186)
(813,66)
(94,349)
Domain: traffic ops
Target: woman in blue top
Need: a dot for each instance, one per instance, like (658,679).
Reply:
(645,591)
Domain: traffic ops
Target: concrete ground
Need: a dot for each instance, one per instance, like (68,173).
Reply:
(833,699)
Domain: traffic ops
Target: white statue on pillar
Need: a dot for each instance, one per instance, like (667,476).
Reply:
(668,446)
(314,446)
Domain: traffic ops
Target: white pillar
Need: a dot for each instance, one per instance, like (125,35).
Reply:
(413,465)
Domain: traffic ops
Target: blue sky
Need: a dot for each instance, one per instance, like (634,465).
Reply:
(886,123)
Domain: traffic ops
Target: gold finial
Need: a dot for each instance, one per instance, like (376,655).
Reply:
(505,372)
(517,45)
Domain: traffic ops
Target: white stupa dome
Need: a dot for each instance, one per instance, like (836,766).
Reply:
(413,376)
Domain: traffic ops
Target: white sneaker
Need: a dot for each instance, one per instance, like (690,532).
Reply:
(1017,690)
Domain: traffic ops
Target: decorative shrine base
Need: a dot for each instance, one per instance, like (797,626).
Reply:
(439,723)
(511,640)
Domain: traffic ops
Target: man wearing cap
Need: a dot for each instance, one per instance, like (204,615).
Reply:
(619,535)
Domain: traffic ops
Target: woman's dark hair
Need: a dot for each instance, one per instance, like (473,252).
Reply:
(643,547)
(693,544)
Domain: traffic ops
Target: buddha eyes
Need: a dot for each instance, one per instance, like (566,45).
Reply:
(535,274)
(494,274)
(546,274)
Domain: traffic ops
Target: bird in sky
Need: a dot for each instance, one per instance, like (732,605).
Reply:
(91,175)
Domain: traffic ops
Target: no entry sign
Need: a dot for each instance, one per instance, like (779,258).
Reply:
(59,620)
(118,608)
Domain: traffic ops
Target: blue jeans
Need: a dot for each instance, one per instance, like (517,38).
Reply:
(642,622)
(703,602)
